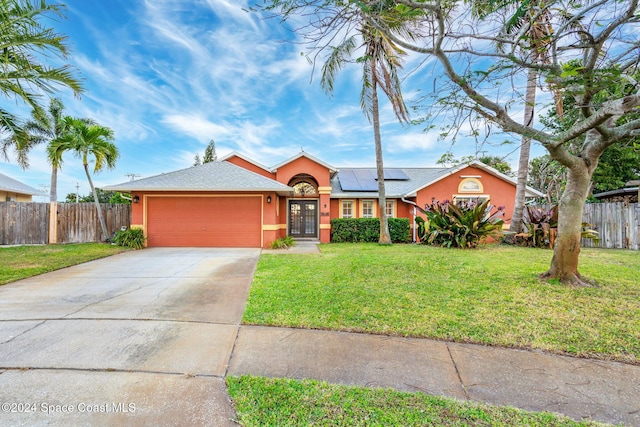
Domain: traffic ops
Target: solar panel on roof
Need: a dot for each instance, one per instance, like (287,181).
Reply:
(370,185)
(395,174)
(348,184)
(366,179)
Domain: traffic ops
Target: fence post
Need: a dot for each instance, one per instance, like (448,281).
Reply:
(53,223)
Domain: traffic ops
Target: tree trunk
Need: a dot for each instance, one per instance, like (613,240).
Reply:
(103,225)
(525,149)
(564,264)
(53,193)
(385,237)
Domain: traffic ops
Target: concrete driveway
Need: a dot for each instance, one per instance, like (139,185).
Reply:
(139,338)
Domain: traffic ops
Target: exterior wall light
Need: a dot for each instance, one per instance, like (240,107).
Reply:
(268,199)
(136,199)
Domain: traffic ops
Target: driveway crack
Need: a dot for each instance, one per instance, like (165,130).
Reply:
(23,332)
(110,298)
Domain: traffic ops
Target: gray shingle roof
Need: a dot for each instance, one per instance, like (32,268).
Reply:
(393,188)
(214,176)
(13,186)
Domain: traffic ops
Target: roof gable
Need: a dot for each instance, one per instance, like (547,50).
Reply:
(246,159)
(332,169)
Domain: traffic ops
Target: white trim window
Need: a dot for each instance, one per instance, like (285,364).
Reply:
(368,209)
(346,209)
(467,199)
(390,208)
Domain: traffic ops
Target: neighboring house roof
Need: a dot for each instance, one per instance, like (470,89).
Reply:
(213,176)
(397,187)
(627,191)
(13,186)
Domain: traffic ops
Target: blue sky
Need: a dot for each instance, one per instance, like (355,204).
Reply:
(170,75)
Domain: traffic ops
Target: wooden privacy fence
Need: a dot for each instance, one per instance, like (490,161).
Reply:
(42,223)
(618,224)
(24,223)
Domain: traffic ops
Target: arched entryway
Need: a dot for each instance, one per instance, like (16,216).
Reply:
(303,207)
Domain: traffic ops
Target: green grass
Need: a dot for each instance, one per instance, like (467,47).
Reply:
(488,296)
(20,262)
(284,402)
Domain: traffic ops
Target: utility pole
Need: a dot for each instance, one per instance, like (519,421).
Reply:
(77,189)
(133,176)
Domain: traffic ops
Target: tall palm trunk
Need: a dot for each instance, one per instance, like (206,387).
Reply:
(53,193)
(385,238)
(525,150)
(103,225)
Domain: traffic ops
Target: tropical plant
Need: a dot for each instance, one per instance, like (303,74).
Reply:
(459,225)
(283,243)
(85,140)
(42,128)
(130,238)
(540,227)
(26,41)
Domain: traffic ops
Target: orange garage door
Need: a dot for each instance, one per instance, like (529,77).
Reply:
(204,221)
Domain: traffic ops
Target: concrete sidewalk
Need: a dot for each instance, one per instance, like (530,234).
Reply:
(534,381)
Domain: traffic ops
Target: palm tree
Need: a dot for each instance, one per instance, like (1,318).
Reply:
(381,63)
(535,17)
(24,42)
(87,139)
(44,127)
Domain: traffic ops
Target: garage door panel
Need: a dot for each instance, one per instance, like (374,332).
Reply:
(204,221)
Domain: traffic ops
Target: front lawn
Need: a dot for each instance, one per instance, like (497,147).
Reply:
(19,262)
(488,296)
(284,402)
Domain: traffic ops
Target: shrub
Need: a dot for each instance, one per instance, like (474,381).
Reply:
(283,243)
(361,230)
(130,238)
(464,225)
(541,226)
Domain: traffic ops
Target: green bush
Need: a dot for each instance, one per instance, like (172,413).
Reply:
(130,238)
(283,243)
(541,226)
(361,230)
(463,225)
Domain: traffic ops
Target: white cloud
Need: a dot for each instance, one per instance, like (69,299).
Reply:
(410,142)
